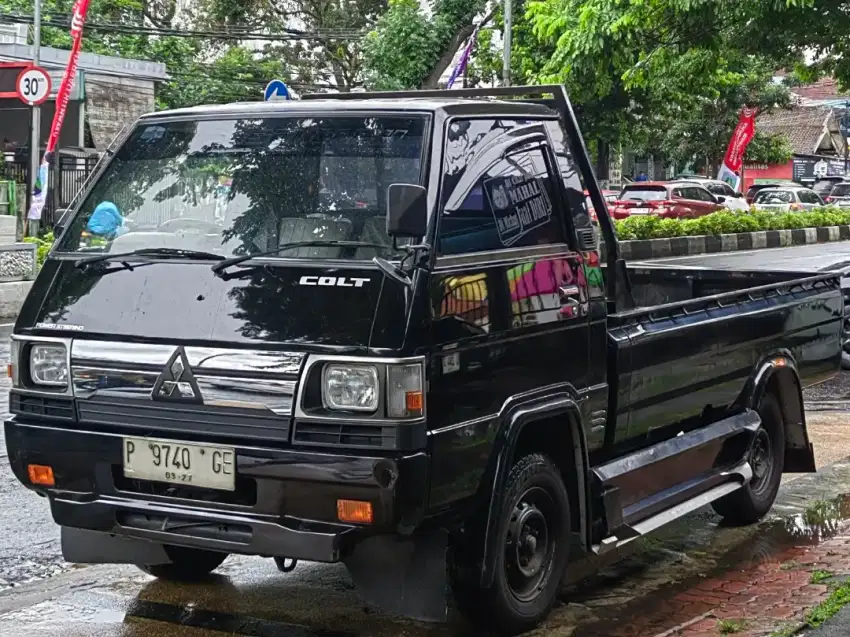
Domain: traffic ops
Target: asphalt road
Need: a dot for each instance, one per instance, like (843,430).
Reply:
(809,258)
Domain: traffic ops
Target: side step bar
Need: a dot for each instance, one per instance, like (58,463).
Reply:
(656,485)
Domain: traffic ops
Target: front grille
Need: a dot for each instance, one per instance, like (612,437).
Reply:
(43,406)
(149,416)
(345,435)
(244,495)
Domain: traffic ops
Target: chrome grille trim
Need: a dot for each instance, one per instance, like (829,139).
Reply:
(228,378)
(218,391)
(207,359)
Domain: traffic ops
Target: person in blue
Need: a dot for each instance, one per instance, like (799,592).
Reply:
(106,221)
(642,177)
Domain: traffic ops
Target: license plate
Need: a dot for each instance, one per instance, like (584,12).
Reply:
(640,211)
(207,466)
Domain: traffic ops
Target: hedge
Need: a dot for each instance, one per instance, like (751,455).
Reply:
(726,222)
(43,243)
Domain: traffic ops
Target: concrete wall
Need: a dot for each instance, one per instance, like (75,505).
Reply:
(113,103)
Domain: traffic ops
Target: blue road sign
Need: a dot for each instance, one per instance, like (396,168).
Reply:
(276,91)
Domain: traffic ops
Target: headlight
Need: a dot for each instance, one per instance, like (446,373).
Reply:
(405,398)
(350,387)
(49,365)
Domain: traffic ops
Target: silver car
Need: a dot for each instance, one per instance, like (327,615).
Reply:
(787,199)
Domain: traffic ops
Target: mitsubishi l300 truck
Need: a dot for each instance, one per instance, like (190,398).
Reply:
(442,385)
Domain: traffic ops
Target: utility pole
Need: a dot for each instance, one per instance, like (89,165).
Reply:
(35,139)
(506,40)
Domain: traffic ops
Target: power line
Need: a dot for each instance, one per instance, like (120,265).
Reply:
(289,35)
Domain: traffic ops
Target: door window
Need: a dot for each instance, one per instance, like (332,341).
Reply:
(494,201)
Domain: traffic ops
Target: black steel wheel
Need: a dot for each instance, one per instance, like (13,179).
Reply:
(187,564)
(533,545)
(767,460)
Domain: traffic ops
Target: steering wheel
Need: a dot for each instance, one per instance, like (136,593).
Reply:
(188,223)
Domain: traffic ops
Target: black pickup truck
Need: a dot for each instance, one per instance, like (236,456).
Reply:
(376,329)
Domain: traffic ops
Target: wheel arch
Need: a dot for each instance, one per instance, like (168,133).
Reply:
(527,427)
(778,375)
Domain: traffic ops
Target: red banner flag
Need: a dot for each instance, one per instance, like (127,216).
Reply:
(741,138)
(39,193)
(743,135)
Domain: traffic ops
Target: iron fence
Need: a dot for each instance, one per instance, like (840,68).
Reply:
(67,177)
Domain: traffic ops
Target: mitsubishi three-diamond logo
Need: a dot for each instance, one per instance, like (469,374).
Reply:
(176,382)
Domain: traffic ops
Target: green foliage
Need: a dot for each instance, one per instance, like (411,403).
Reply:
(410,49)
(43,243)
(727,222)
(769,149)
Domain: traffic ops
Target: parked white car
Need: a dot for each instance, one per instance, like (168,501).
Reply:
(723,191)
(787,199)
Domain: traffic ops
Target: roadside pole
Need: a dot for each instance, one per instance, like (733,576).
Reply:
(31,228)
(506,39)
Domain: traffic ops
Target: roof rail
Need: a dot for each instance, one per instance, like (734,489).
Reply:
(502,91)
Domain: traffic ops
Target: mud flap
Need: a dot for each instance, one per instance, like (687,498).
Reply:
(403,575)
(80,546)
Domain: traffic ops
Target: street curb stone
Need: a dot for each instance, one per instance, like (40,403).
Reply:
(645,249)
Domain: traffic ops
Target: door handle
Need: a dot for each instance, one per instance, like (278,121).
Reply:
(566,291)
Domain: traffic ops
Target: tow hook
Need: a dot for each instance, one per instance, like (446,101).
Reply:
(285,564)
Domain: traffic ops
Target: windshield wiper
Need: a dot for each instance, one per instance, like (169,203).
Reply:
(221,266)
(152,252)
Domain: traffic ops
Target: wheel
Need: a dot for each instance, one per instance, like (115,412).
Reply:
(532,537)
(767,459)
(187,565)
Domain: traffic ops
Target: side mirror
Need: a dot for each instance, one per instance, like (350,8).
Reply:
(63,214)
(739,195)
(407,211)
(720,199)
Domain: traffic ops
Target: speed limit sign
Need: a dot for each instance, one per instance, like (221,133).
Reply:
(33,85)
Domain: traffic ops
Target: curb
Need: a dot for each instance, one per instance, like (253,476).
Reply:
(644,249)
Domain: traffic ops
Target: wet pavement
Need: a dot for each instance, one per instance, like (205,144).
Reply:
(685,580)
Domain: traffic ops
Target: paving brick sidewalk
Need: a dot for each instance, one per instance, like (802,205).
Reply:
(761,595)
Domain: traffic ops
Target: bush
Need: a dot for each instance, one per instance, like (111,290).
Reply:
(44,244)
(727,222)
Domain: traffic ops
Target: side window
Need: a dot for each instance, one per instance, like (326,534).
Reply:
(493,201)
(570,175)
(727,191)
(678,193)
(704,195)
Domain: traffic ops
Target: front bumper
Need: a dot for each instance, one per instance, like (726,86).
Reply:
(287,506)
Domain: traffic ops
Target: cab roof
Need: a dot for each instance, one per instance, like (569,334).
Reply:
(443,106)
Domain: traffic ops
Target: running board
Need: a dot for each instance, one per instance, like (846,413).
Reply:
(739,476)
(700,465)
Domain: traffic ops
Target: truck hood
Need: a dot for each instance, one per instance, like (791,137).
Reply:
(176,301)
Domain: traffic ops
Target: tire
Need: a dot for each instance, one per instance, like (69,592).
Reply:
(187,565)
(845,360)
(528,573)
(767,458)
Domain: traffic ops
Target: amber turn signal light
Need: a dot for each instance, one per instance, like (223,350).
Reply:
(414,402)
(354,511)
(41,475)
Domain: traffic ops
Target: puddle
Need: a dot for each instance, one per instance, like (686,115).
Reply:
(770,544)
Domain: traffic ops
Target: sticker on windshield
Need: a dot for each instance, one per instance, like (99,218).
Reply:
(65,327)
(153,133)
(520,204)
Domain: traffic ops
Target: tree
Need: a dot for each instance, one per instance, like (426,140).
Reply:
(411,49)
(768,148)
(327,52)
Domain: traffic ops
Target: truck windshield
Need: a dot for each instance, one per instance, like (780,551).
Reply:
(238,186)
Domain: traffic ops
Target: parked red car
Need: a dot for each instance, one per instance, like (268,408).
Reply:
(665,199)
(608,195)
